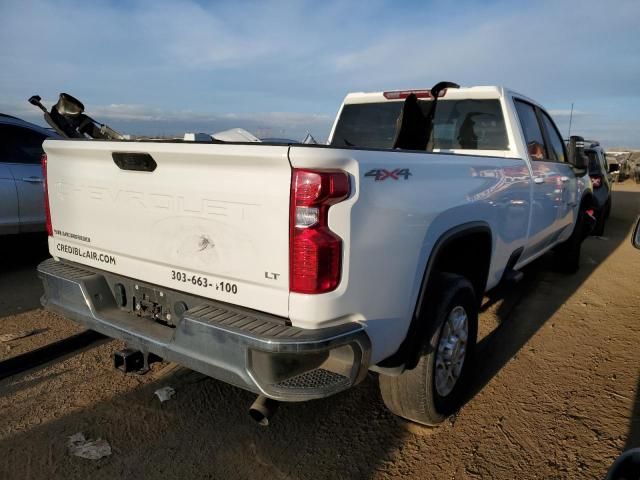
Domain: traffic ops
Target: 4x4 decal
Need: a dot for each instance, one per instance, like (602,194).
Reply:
(381,174)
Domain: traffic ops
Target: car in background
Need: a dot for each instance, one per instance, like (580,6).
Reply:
(21,189)
(602,182)
(620,165)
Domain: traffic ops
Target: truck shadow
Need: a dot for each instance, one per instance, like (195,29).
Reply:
(205,431)
(19,284)
(523,309)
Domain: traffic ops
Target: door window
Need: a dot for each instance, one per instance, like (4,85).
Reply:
(532,133)
(557,145)
(20,145)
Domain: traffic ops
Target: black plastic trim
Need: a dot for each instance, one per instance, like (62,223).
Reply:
(134,161)
(418,330)
(513,260)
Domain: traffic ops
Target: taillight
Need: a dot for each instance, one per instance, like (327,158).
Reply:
(47,210)
(596,181)
(315,254)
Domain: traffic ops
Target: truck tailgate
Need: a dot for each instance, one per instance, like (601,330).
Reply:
(210,219)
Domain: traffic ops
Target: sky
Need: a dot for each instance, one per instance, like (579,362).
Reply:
(281,69)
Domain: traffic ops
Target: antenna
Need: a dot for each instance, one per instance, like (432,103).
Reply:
(570,119)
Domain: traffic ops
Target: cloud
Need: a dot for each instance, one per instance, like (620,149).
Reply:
(145,120)
(547,50)
(291,123)
(161,59)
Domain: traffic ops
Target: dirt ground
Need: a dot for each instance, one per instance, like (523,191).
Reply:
(20,292)
(556,395)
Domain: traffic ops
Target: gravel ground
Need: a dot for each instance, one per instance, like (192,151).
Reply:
(20,292)
(555,395)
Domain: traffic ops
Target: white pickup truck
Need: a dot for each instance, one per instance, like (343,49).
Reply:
(292,270)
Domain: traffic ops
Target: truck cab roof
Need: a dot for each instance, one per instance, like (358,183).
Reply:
(462,93)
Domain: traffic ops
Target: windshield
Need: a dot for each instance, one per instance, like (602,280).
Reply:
(458,124)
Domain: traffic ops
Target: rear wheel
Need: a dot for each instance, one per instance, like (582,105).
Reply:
(434,389)
(598,230)
(567,254)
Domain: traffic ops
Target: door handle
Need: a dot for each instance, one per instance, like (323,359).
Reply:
(32,179)
(538,180)
(564,179)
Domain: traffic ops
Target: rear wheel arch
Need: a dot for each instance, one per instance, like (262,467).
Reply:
(465,250)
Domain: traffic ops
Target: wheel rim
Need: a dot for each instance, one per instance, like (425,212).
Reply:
(452,350)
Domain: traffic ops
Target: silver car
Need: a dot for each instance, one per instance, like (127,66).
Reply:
(21,189)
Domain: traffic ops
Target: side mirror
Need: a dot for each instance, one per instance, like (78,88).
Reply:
(577,158)
(614,167)
(635,238)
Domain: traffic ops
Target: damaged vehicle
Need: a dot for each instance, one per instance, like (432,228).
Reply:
(293,270)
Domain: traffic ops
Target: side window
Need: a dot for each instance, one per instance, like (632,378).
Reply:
(557,145)
(594,162)
(20,145)
(4,146)
(532,133)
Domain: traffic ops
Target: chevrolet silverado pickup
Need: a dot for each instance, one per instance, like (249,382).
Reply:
(293,270)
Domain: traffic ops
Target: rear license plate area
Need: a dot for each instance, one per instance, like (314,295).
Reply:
(151,303)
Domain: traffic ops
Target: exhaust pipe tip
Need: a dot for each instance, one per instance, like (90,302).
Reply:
(262,409)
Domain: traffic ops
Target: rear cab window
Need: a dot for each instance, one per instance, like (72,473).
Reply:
(463,124)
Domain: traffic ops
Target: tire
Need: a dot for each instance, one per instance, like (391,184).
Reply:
(567,254)
(416,394)
(598,230)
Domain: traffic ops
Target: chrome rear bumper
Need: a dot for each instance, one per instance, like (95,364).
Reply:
(252,350)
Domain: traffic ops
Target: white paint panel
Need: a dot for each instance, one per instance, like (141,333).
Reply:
(390,227)
(219,212)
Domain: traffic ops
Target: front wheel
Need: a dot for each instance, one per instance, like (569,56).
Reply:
(434,389)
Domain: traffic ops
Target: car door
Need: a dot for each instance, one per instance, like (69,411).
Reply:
(568,182)
(22,152)
(9,215)
(546,194)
